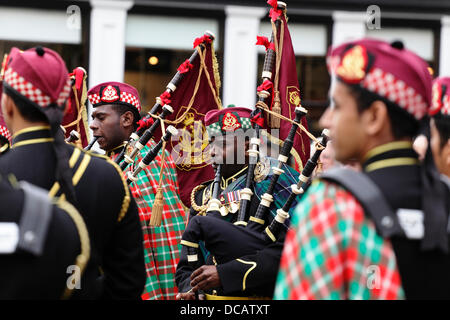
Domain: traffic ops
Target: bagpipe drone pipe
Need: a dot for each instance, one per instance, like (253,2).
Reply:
(148,125)
(227,241)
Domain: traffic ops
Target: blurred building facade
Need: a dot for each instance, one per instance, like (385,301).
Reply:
(143,42)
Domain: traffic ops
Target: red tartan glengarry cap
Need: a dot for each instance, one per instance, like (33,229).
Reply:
(388,70)
(219,122)
(440,99)
(39,75)
(114,93)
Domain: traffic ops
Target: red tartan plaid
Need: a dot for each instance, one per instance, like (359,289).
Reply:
(161,244)
(333,251)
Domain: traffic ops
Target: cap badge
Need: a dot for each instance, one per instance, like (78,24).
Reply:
(110,94)
(230,122)
(353,65)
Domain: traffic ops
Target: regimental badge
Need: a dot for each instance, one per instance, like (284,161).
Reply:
(230,122)
(190,151)
(293,99)
(436,99)
(262,169)
(352,68)
(110,94)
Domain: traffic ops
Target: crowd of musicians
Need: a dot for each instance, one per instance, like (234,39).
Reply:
(365,217)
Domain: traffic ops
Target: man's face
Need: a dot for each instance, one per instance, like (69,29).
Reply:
(106,125)
(441,154)
(346,127)
(230,149)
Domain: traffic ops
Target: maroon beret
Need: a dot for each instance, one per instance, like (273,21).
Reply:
(388,70)
(440,100)
(39,75)
(114,93)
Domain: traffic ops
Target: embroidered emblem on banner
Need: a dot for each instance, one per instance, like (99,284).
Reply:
(353,65)
(110,94)
(293,99)
(230,122)
(190,150)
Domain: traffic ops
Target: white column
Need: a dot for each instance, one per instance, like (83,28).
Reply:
(107,40)
(107,44)
(240,55)
(348,26)
(444,63)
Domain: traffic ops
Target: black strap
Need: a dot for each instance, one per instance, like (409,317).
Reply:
(370,197)
(35,219)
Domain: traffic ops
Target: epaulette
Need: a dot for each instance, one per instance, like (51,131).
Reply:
(126,199)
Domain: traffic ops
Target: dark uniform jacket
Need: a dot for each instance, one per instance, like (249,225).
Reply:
(249,275)
(116,268)
(398,174)
(50,238)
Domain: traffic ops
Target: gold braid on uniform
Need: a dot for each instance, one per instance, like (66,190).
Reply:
(194,205)
(126,199)
(83,258)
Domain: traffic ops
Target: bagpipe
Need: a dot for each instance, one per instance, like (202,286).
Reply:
(151,155)
(148,126)
(227,241)
(220,236)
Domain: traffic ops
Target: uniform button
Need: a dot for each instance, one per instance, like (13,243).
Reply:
(29,236)
(387,222)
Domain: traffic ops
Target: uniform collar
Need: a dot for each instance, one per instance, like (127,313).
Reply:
(116,150)
(32,135)
(397,153)
(225,182)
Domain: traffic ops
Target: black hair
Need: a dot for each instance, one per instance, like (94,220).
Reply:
(443,127)
(403,124)
(53,115)
(121,109)
(26,108)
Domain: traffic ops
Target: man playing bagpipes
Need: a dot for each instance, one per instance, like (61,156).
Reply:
(251,274)
(382,233)
(155,189)
(36,87)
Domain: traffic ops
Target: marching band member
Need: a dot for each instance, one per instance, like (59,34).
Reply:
(248,276)
(376,234)
(115,117)
(35,90)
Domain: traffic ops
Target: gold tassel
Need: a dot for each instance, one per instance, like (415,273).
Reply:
(156,217)
(274,120)
(158,204)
